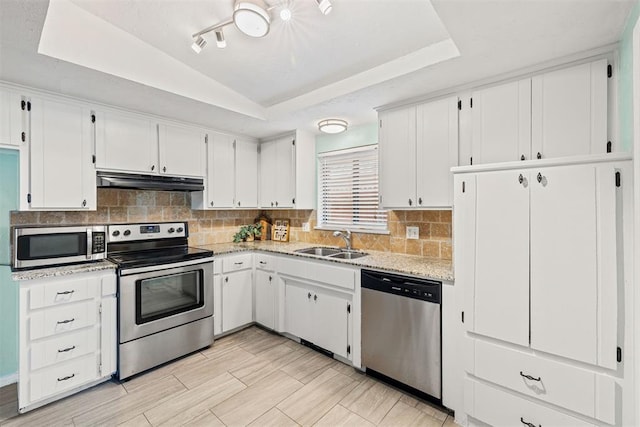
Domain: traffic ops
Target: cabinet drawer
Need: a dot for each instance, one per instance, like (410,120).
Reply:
(500,408)
(62,292)
(236,262)
(323,271)
(265,262)
(64,347)
(59,378)
(56,320)
(559,383)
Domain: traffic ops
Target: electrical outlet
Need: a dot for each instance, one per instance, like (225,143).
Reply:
(305,227)
(413,232)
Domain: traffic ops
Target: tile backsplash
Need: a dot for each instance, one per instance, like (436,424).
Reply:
(208,227)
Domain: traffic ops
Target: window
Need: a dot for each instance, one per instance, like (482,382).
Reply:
(348,194)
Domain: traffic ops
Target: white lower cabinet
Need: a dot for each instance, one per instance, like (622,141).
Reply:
(265,288)
(237,291)
(68,335)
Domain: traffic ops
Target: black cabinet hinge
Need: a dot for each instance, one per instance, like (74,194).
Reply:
(293,200)
(470,102)
(380,124)
(29,198)
(609,71)
(619,354)
(609,146)
(348,308)
(23,105)
(93,118)
(23,136)
(463,186)
(206,139)
(93,159)
(459,104)
(293,142)
(471,160)
(348,349)
(28,105)
(462,317)
(618,179)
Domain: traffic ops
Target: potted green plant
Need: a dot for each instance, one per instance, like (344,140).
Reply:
(247,233)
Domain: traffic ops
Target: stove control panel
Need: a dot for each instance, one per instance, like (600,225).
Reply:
(133,232)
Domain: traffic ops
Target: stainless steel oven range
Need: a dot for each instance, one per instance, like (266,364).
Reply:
(165,294)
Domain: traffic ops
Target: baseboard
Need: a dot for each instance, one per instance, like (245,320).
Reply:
(9,379)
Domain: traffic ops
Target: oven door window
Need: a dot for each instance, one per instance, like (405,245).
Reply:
(164,296)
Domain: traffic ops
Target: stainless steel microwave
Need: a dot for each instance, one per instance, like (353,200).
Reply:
(48,246)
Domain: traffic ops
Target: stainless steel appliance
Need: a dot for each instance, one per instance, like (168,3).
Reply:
(401,332)
(148,182)
(48,246)
(165,294)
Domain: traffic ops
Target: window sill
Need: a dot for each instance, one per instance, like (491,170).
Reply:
(354,230)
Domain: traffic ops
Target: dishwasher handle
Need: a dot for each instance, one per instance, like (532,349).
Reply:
(409,287)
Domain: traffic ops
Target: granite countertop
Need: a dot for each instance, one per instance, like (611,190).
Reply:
(65,270)
(432,268)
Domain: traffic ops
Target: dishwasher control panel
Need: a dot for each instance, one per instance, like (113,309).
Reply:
(422,289)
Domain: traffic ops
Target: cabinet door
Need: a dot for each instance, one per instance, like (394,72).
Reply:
(181,150)
(569,111)
(10,118)
(436,152)
(330,323)
(246,173)
(464,241)
(237,300)
(220,186)
(284,173)
(501,290)
(126,142)
(501,123)
(297,309)
(265,294)
(268,167)
(397,158)
(564,262)
(217,304)
(60,151)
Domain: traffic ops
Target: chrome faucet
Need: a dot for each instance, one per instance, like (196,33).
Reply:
(346,235)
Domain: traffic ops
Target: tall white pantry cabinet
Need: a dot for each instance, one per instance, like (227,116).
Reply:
(542,264)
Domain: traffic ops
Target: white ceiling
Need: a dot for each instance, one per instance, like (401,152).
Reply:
(366,53)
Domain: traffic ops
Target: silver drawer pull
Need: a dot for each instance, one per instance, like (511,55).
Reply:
(239,263)
(67,377)
(65,292)
(262,262)
(62,322)
(529,377)
(64,350)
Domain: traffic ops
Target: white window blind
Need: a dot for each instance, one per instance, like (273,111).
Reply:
(348,195)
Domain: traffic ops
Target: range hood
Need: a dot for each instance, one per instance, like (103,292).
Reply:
(148,182)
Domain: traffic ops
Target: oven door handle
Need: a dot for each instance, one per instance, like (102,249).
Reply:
(158,267)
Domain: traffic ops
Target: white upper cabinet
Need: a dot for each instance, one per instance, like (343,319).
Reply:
(11,122)
(61,171)
(246,174)
(232,174)
(182,150)
(397,145)
(436,152)
(569,111)
(418,146)
(277,173)
(501,123)
(126,142)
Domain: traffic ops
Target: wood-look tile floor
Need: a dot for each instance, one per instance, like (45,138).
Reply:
(252,377)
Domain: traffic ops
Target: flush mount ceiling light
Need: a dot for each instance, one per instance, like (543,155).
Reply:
(332,125)
(250,17)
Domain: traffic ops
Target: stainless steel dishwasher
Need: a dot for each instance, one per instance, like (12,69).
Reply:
(401,332)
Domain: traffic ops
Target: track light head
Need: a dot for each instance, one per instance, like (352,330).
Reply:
(324,6)
(198,44)
(220,41)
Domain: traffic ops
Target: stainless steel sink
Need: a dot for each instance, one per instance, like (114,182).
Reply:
(348,255)
(319,251)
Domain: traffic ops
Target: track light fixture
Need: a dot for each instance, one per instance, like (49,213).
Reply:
(198,44)
(250,17)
